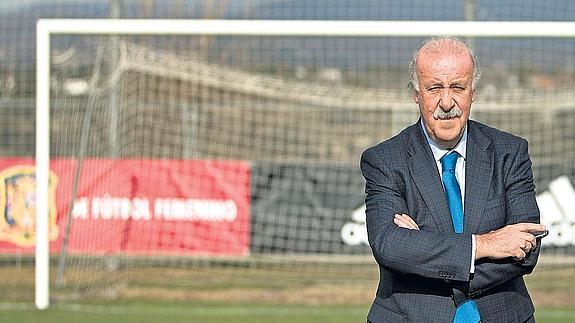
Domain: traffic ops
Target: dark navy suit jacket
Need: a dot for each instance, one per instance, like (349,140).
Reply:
(420,269)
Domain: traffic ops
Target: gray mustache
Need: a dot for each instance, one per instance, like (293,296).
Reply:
(455,112)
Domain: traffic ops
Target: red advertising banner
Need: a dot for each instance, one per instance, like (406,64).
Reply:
(179,207)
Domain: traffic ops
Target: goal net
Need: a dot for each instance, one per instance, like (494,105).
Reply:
(184,163)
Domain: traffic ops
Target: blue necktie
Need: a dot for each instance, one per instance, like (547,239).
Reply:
(467,311)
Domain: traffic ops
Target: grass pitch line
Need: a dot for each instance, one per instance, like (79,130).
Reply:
(17,306)
(232,310)
(555,314)
(214,310)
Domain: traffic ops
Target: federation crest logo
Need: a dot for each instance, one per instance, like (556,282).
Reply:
(18,205)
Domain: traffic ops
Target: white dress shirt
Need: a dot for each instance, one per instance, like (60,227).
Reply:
(461,149)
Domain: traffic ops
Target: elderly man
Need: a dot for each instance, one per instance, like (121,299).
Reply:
(451,210)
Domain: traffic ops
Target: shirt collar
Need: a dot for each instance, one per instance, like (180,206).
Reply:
(439,152)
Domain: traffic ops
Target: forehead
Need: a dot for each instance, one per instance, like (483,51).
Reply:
(440,64)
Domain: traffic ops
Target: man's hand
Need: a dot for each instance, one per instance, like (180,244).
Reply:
(404,221)
(514,240)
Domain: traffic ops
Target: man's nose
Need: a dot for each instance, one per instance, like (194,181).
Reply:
(446,101)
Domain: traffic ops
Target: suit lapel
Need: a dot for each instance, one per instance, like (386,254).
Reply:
(478,173)
(425,175)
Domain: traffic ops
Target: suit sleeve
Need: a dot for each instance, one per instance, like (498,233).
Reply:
(424,253)
(521,206)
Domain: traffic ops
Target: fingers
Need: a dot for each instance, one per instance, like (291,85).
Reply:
(532,242)
(527,247)
(411,222)
(404,221)
(520,255)
(513,240)
(529,227)
(526,244)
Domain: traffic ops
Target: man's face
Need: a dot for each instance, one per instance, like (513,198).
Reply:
(445,94)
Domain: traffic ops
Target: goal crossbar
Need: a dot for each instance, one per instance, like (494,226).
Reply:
(47,27)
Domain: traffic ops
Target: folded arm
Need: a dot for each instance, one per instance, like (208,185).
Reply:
(511,251)
(425,253)
(501,255)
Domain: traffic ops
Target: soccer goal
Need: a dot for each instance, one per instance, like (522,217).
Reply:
(190,149)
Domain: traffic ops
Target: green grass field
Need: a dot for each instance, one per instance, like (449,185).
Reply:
(24,312)
(287,292)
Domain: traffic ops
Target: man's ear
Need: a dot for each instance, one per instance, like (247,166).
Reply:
(416,96)
(473,96)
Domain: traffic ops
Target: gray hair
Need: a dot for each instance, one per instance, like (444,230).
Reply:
(454,44)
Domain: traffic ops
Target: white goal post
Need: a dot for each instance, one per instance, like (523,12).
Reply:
(48,27)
